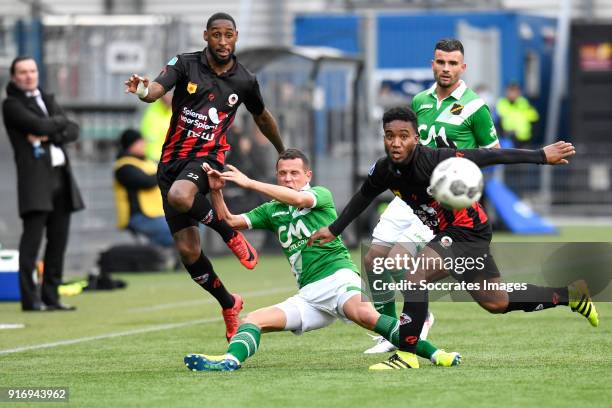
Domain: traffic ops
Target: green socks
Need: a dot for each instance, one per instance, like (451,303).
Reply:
(387,309)
(384,300)
(388,327)
(245,343)
(425,349)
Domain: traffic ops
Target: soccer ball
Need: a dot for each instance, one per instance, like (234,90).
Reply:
(456,183)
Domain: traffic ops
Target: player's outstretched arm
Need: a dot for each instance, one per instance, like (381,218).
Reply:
(299,199)
(374,185)
(237,222)
(556,153)
(359,202)
(267,124)
(216,183)
(146,90)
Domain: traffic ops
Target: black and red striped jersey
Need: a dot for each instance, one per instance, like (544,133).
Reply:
(410,180)
(204,106)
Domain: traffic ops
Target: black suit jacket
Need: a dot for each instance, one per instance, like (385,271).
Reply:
(22,115)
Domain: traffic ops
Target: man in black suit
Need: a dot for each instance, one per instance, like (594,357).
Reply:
(47,193)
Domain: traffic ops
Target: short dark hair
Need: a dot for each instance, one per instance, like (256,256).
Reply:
(449,45)
(17,60)
(290,154)
(128,138)
(402,113)
(220,16)
(513,84)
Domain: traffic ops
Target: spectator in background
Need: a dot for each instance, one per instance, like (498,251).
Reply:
(516,116)
(137,197)
(47,193)
(154,125)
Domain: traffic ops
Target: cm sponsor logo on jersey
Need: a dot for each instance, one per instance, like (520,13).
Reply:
(431,134)
(298,231)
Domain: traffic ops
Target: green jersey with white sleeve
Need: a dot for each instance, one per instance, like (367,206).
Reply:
(462,117)
(293,226)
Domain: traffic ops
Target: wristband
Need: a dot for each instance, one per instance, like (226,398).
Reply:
(141,91)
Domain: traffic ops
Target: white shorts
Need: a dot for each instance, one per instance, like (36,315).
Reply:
(399,224)
(320,303)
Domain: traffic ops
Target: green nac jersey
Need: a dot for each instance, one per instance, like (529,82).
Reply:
(293,226)
(462,117)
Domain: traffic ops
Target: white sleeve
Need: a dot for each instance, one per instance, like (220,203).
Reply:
(247,220)
(490,145)
(314,198)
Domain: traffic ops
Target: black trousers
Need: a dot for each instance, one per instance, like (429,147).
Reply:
(56,223)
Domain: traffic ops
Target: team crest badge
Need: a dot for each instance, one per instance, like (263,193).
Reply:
(191,87)
(456,109)
(233,98)
(404,319)
(446,241)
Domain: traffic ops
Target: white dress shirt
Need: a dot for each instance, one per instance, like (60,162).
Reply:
(57,155)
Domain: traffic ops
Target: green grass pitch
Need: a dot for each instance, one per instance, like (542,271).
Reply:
(125,349)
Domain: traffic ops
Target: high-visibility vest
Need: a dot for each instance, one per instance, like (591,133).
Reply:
(517,117)
(153,127)
(149,199)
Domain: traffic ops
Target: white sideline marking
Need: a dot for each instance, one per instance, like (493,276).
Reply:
(165,306)
(109,335)
(5,326)
(145,329)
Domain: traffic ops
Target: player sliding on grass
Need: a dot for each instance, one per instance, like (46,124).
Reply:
(329,284)
(459,233)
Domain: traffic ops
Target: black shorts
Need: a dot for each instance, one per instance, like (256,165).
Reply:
(467,251)
(187,169)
